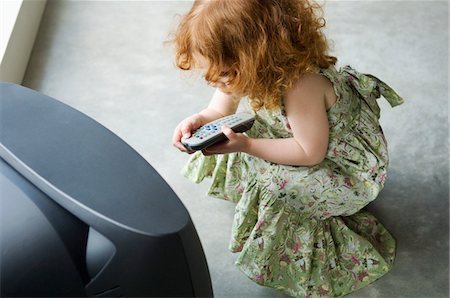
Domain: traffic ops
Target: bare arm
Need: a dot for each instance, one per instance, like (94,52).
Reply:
(306,113)
(222,104)
(280,151)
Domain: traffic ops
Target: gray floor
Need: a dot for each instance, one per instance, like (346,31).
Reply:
(106,59)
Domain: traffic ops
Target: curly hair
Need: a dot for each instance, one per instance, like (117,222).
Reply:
(265,45)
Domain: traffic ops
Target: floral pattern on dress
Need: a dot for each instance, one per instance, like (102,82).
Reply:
(303,230)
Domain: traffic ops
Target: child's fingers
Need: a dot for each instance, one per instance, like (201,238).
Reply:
(186,130)
(180,147)
(183,130)
(206,153)
(228,132)
(186,133)
(176,136)
(218,148)
(176,140)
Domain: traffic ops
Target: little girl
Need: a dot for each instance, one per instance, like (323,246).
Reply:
(315,156)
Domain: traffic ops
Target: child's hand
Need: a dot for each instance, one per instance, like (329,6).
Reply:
(237,142)
(184,129)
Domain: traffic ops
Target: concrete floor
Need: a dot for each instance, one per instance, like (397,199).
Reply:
(106,59)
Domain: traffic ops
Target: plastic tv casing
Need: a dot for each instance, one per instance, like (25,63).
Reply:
(83,214)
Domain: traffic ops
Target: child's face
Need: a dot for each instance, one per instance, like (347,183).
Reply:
(202,65)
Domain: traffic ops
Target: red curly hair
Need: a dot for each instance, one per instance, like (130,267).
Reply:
(265,45)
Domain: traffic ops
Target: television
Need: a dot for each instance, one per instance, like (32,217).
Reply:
(83,214)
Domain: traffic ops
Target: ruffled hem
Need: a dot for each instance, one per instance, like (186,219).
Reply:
(308,258)
(199,167)
(339,256)
(283,246)
(227,171)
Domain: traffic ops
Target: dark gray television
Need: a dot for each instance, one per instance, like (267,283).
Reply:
(83,214)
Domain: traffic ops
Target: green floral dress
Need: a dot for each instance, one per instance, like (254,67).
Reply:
(302,229)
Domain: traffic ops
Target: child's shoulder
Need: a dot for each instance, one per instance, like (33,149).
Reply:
(313,80)
(313,84)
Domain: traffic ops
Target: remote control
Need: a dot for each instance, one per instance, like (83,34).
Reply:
(211,133)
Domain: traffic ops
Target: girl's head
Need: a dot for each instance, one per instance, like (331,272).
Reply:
(254,48)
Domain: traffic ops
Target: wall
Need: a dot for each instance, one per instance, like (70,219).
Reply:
(20,24)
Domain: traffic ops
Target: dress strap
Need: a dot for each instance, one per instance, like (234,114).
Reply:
(371,87)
